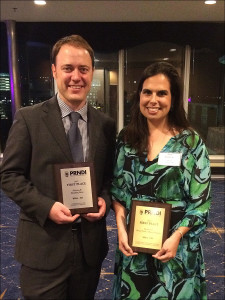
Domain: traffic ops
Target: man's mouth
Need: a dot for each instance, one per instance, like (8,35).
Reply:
(75,87)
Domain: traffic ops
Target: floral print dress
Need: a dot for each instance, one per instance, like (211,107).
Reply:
(188,189)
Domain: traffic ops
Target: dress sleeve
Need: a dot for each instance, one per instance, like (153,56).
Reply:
(198,188)
(122,178)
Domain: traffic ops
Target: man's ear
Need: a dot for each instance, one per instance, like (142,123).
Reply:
(53,70)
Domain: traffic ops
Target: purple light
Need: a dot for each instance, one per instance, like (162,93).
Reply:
(12,90)
(189,99)
(12,87)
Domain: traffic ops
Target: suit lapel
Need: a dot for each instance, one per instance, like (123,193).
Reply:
(52,118)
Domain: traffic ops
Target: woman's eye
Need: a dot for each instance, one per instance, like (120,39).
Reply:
(146,92)
(162,93)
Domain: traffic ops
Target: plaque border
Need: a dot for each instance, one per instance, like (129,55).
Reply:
(166,226)
(58,167)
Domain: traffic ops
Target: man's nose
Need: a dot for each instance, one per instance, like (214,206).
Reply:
(75,74)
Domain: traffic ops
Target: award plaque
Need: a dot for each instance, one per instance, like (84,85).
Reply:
(149,226)
(76,187)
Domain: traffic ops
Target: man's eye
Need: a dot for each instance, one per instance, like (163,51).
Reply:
(67,69)
(84,70)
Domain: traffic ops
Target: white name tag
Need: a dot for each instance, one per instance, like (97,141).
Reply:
(169,159)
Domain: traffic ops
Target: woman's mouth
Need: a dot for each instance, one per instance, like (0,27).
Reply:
(153,109)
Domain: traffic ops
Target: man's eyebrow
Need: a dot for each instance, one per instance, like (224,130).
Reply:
(86,66)
(66,65)
(71,65)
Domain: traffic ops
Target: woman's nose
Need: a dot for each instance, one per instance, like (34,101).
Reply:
(153,98)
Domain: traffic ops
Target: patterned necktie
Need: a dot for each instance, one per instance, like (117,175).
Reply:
(75,139)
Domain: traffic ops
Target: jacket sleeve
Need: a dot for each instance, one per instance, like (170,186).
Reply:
(15,172)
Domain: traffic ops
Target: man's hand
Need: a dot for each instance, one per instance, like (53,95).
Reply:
(60,214)
(92,217)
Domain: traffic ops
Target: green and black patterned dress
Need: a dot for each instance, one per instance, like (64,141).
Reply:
(188,189)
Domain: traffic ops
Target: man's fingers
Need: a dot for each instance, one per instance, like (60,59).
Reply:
(60,214)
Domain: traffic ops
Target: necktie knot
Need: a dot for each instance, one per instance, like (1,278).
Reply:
(75,116)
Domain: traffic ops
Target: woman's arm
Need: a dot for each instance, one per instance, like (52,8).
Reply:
(169,248)
(197,187)
(120,212)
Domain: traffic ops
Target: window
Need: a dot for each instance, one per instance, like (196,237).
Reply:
(138,58)
(206,101)
(5,95)
(105,82)
(35,73)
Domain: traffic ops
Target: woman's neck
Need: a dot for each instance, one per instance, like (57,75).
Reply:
(158,137)
(158,128)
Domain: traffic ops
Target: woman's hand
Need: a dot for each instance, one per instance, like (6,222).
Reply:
(123,243)
(169,248)
(120,213)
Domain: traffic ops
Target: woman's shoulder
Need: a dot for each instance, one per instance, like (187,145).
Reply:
(188,134)
(121,142)
(121,137)
(191,140)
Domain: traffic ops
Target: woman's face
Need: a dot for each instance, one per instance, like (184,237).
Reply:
(155,98)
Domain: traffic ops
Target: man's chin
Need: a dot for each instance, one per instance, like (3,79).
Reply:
(76,103)
(76,100)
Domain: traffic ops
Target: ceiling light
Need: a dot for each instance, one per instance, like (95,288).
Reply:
(210,2)
(40,2)
(173,50)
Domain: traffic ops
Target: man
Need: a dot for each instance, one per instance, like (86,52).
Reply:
(61,254)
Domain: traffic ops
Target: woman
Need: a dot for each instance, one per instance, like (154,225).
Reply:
(158,125)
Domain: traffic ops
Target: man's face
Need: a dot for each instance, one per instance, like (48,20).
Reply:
(73,73)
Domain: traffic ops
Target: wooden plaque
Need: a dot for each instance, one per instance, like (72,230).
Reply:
(149,226)
(76,187)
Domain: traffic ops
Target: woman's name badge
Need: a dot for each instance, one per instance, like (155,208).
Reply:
(169,159)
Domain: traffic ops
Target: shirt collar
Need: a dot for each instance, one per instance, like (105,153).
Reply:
(66,110)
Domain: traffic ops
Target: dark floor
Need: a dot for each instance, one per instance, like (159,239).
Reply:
(212,241)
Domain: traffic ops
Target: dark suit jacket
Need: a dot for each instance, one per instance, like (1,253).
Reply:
(36,142)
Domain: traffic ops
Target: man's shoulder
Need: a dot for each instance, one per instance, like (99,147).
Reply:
(36,107)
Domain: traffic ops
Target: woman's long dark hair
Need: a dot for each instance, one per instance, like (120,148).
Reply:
(136,133)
